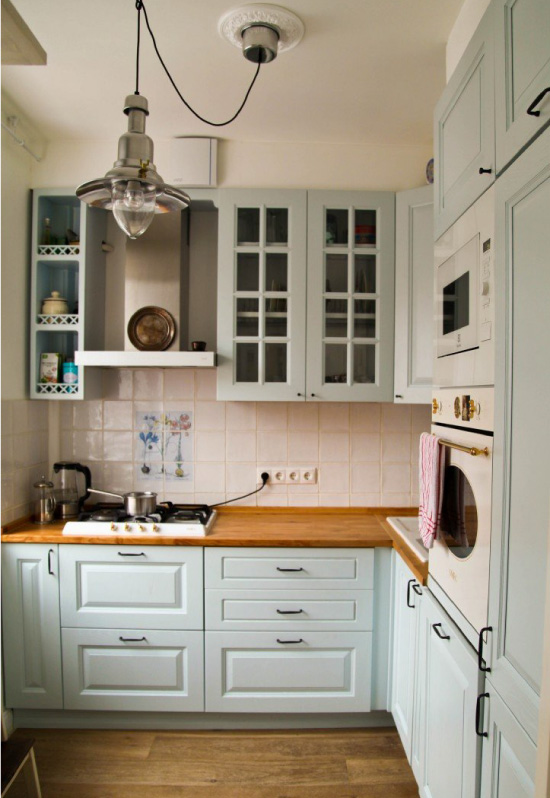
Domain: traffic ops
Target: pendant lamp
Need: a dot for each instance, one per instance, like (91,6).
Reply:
(133,189)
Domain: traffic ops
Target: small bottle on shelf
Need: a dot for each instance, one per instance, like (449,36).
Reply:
(70,372)
(46,233)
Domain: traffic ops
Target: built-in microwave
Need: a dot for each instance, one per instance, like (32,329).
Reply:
(464,298)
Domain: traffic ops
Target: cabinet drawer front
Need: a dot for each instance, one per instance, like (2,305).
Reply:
(157,671)
(337,610)
(258,569)
(252,672)
(152,587)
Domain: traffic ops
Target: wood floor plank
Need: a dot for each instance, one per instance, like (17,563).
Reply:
(227,791)
(90,743)
(174,772)
(251,747)
(379,771)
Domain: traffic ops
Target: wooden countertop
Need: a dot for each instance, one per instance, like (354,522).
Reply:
(274,526)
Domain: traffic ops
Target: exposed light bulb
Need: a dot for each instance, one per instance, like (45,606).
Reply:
(133,207)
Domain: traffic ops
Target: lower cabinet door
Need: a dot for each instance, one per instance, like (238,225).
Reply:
(509,754)
(450,750)
(298,671)
(160,671)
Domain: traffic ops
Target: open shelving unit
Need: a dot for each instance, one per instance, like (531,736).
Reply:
(77,271)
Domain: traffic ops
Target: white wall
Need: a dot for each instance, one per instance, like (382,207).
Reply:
(462,31)
(255,164)
(16,181)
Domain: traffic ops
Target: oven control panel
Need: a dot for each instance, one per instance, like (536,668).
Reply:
(471,408)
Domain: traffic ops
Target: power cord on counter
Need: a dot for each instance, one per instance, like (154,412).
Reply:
(264,477)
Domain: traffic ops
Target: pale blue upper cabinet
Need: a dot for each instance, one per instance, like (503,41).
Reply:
(464,130)
(350,296)
(305,295)
(521,484)
(414,296)
(522,74)
(261,294)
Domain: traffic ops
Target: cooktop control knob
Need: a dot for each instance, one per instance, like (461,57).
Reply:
(127,527)
(113,526)
(142,528)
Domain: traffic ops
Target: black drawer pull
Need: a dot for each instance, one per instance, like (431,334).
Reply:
(478,714)
(483,171)
(409,583)
(482,665)
(132,639)
(436,627)
(290,570)
(289,612)
(417,589)
(50,566)
(129,554)
(536,101)
(289,642)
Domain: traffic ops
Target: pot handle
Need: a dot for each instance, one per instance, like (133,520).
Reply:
(88,480)
(106,493)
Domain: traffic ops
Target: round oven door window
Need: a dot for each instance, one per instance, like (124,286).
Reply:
(458,513)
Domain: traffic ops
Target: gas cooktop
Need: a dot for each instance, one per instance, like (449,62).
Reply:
(169,520)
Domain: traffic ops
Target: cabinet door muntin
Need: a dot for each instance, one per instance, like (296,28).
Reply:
(351,326)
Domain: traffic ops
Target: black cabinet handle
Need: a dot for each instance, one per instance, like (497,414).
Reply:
(299,394)
(289,612)
(482,665)
(313,394)
(536,101)
(131,554)
(399,396)
(409,583)
(417,589)
(289,642)
(50,566)
(290,570)
(132,639)
(478,714)
(437,627)
(485,171)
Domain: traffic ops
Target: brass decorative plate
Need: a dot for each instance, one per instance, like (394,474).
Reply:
(151,329)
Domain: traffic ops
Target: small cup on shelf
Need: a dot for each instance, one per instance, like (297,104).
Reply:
(198,346)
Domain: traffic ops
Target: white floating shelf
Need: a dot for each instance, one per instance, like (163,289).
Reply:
(135,359)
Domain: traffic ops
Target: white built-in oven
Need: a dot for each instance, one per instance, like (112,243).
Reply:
(464,298)
(459,559)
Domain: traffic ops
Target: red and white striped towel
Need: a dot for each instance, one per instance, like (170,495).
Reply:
(431,470)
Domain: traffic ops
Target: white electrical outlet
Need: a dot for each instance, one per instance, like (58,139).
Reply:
(288,475)
(308,476)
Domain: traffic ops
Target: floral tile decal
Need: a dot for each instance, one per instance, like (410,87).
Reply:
(164,444)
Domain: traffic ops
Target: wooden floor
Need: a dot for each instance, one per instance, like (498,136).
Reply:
(341,763)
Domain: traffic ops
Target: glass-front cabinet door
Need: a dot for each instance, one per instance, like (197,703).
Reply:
(350,296)
(262,295)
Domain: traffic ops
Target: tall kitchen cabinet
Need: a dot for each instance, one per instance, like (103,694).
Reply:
(305,295)
(66,258)
(522,437)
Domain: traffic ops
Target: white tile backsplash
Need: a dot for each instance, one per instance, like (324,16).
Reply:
(365,454)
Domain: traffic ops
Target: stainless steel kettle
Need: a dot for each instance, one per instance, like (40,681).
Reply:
(69,499)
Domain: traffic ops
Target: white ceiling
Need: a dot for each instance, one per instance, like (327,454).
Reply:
(366,71)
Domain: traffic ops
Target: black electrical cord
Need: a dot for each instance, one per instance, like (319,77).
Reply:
(140,6)
(264,476)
